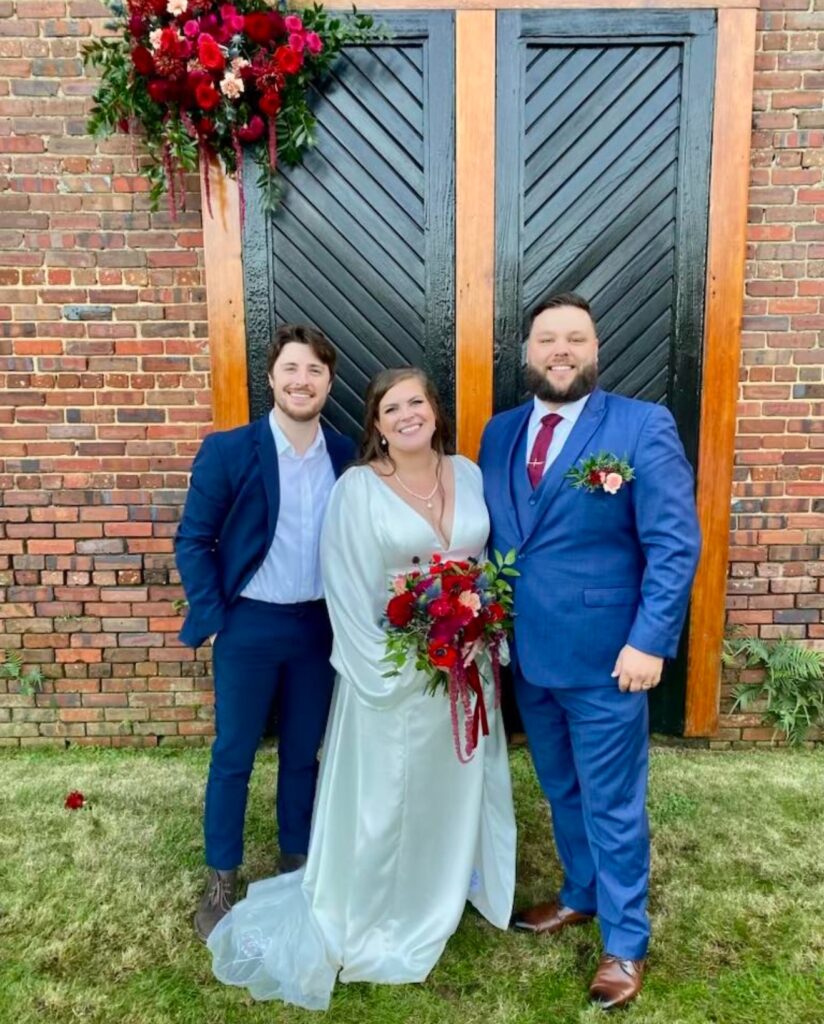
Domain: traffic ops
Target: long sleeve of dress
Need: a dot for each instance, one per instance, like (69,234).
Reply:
(355,583)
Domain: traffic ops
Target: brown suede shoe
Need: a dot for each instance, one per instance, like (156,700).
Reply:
(616,982)
(548,918)
(216,901)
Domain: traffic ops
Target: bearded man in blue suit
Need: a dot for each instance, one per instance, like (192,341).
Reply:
(594,492)
(248,553)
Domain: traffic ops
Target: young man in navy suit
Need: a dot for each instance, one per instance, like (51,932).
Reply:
(247,551)
(595,493)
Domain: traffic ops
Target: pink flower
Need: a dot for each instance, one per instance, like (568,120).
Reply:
(293,23)
(191,29)
(297,42)
(613,482)
(399,584)
(235,24)
(177,7)
(470,600)
(314,43)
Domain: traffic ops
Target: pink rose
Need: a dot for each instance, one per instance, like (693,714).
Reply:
(297,42)
(191,29)
(293,23)
(314,43)
(613,482)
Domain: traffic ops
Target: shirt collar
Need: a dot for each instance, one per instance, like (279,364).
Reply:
(569,411)
(284,445)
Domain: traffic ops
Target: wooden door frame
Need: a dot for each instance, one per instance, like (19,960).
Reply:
(475,277)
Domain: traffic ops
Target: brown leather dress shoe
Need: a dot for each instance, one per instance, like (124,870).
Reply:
(548,918)
(616,982)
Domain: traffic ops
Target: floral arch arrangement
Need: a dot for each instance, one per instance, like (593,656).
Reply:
(203,79)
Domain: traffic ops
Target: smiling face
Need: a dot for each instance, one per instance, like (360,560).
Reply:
(300,382)
(406,417)
(562,355)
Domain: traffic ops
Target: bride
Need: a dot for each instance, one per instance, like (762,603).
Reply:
(403,833)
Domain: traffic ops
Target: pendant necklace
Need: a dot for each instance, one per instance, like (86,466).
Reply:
(426,498)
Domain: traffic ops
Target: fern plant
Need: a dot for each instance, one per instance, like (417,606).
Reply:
(12,668)
(792,688)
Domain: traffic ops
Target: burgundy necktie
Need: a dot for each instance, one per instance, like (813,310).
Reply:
(543,439)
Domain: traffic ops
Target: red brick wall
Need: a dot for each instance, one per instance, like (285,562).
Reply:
(104,389)
(776,569)
(103,399)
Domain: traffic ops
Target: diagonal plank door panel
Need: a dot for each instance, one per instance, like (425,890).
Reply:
(362,244)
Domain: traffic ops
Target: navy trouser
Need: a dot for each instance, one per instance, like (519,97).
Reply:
(267,653)
(590,750)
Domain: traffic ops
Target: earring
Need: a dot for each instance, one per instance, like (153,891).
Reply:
(383,443)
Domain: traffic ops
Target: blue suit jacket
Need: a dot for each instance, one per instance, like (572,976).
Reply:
(597,570)
(229,519)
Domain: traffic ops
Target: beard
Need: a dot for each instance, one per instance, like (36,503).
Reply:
(583,383)
(301,414)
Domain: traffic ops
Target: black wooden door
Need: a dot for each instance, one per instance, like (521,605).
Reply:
(363,244)
(603,144)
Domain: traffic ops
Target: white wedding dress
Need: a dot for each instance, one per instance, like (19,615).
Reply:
(403,833)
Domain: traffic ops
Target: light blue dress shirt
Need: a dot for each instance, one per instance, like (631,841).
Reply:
(291,570)
(569,413)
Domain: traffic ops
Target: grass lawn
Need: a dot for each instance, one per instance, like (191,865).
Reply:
(95,906)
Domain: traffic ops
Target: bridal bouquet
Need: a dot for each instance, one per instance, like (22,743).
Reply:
(446,615)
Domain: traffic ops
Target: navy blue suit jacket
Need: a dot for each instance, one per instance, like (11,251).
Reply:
(229,519)
(597,570)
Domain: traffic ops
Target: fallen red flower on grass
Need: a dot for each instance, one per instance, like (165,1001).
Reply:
(74,801)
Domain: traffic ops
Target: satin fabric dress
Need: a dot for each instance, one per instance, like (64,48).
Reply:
(403,833)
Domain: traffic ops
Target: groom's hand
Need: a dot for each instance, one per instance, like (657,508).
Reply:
(636,671)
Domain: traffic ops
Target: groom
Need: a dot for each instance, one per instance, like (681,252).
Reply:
(248,553)
(596,495)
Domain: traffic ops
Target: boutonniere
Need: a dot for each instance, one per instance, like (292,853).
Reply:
(601,472)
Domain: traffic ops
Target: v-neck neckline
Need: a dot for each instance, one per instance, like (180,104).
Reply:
(442,541)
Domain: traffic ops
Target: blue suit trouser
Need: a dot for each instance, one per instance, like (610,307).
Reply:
(267,654)
(590,750)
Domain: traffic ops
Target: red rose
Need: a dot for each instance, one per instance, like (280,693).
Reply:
(74,801)
(210,54)
(442,655)
(206,96)
(277,23)
(252,131)
(495,612)
(288,60)
(137,26)
(595,477)
(441,607)
(258,28)
(270,103)
(158,90)
(205,126)
(142,60)
(400,609)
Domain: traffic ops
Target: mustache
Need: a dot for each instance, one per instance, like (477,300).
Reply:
(536,383)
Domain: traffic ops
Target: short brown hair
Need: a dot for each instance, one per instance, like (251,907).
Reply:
(304,335)
(562,299)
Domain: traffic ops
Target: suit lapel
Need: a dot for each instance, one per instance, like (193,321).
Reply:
(339,450)
(510,455)
(268,463)
(586,425)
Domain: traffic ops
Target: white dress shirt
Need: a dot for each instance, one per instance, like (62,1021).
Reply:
(291,570)
(569,413)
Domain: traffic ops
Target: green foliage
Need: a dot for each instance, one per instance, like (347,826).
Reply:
(29,682)
(793,684)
